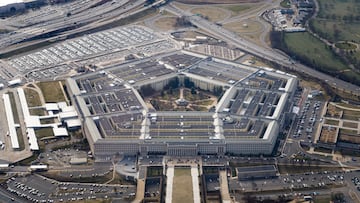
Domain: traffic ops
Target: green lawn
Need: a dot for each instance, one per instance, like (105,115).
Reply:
(347,131)
(347,31)
(346,46)
(339,8)
(182,186)
(237,9)
(322,199)
(297,168)
(52,91)
(44,132)
(48,121)
(32,97)
(37,112)
(20,139)
(331,122)
(339,20)
(310,47)
(154,171)
(13,107)
(305,45)
(285,4)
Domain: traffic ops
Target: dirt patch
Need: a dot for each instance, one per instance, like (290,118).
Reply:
(217,1)
(332,122)
(165,23)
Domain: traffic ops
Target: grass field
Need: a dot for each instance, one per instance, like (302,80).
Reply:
(285,4)
(349,106)
(339,20)
(331,122)
(350,124)
(32,97)
(20,139)
(351,115)
(327,29)
(307,46)
(48,121)
(182,186)
(56,175)
(44,132)
(166,23)
(213,13)
(322,199)
(237,9)
(347,131)
(52,91)
(154,171)
(338,7)
(238,26)
(37,112)
(295,168)
(13,107)
(346,46)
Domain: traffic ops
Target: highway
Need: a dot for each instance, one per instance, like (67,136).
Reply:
(262,52)
(56,18)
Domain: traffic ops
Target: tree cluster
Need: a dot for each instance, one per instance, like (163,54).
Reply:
(182,21)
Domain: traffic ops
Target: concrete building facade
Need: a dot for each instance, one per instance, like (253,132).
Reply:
(247,119)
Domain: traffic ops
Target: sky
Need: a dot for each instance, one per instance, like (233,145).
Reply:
(6,2)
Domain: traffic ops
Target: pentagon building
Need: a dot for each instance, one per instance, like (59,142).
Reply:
(247,119)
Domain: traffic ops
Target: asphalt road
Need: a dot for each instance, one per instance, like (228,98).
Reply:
(90,17)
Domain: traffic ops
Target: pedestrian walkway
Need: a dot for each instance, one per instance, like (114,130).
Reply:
(224,188)
(195,183)
(169,184)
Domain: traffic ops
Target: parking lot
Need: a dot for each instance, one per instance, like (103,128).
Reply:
(36,188)
(51,61)
(308,118)
(292,181)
